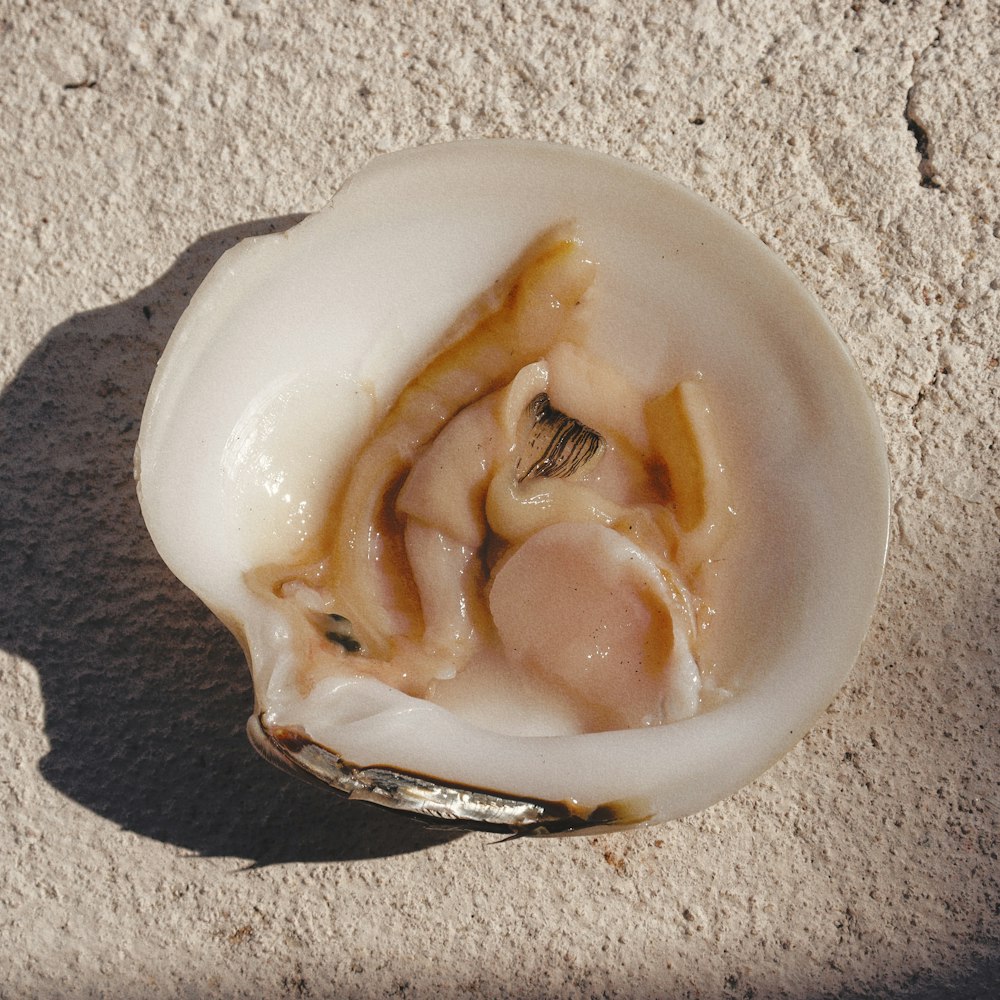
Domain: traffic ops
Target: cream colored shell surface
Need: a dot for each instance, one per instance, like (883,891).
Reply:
(296,342)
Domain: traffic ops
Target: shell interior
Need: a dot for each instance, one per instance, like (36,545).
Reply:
(297,344)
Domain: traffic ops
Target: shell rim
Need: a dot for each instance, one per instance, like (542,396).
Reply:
(436,802)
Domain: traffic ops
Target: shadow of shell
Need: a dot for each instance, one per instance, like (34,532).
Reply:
(146,694)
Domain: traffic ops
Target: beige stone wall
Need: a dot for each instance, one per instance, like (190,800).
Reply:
(144,850)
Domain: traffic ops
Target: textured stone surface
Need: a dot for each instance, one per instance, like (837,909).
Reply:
(145,851)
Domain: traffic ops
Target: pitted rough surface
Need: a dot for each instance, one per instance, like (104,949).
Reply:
(145,851)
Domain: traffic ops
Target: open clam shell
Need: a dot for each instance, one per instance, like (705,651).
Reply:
(297,342)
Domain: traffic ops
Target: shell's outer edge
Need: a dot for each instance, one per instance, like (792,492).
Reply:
(437,803)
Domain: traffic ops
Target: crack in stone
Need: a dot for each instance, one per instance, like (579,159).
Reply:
(928,172)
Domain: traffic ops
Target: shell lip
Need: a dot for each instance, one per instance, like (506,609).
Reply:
(432,800)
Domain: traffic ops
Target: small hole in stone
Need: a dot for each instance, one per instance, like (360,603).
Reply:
(697,121)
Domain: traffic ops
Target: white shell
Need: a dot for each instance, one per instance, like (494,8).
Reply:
(279,365)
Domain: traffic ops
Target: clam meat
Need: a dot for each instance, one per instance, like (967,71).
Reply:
(533,572)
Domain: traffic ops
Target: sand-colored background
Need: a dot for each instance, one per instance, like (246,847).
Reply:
(144,849)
